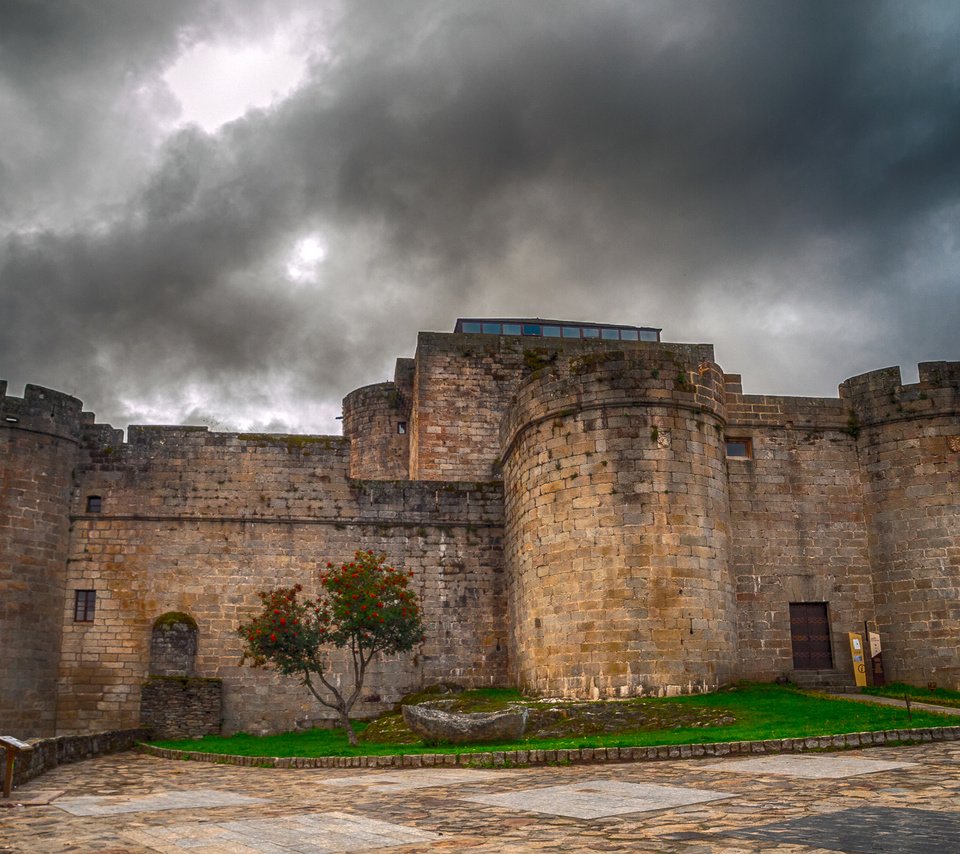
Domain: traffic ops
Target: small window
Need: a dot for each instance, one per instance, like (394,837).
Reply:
(84,605)
(402,427)
(591,332)
(471,327)
(531,328)
(512,329)
(571,331)
(629,335)
(94,504)
(491,328)
(648,335)
(551,331)
(740,448)
(610,334)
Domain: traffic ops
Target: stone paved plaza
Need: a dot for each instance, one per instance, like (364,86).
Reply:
(899,799)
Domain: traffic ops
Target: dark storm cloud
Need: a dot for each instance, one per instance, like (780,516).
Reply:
(780,178)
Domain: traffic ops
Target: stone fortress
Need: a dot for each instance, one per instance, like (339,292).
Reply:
(589,511)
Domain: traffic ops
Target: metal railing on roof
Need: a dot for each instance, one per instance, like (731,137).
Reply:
(538,328)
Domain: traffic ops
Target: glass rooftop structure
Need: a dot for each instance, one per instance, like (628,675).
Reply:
(540,328)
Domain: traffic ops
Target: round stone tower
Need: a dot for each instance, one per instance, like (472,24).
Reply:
(39,437)
(375,421)
(908,439)
(616,540)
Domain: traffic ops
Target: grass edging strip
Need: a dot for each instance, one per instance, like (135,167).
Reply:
(573,756)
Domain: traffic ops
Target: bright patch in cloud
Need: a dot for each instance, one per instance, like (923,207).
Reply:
(218,82)
(307,256)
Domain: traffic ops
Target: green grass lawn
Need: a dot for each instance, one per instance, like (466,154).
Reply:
(759,712)
(900,690)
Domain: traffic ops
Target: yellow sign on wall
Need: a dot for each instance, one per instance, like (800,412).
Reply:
(858,654)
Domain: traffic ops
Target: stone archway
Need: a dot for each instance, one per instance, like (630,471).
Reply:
(174,701)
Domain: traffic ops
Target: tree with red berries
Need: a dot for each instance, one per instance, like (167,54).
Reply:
(365,607)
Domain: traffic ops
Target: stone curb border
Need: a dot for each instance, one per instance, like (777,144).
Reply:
(48,753)
(582,755)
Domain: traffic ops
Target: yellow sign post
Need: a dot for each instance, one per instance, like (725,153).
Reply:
(858,654)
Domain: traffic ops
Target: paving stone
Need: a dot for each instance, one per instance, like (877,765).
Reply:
(870,830)
(927,780)
(415,779)
(193,799)
(313,833)
(810,767)
(598,798)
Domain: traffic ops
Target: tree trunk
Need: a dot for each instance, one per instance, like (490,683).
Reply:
(348,727)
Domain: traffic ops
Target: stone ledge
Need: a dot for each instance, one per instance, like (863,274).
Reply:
(584,755)
(48,753)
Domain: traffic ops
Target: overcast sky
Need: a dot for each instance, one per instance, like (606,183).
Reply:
(234,212)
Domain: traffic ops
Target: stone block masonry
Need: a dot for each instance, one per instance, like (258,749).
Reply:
(571,509)
(800,534)
(198,523)
(908,444)
(617,534)
(181,707)
(39,436)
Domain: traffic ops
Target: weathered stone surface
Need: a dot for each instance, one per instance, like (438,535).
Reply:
(181,707)
(567,509)
(464,728)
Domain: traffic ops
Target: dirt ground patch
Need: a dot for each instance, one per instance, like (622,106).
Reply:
(556,718)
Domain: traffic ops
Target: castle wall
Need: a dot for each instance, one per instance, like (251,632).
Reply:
(909,445)
(798,532)
(622,553)
(38,449)
(462,387)
(199,522)
(616,533)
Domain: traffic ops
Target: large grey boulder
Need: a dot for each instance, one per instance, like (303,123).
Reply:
(462,728)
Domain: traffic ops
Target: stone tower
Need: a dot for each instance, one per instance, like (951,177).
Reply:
(616,525)
(39,437)
(908,439)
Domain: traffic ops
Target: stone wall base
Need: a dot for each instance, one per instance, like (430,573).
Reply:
(48,753)
(181,706)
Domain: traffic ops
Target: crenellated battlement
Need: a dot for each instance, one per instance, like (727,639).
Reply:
(643,375)
(880,396)
(42,410)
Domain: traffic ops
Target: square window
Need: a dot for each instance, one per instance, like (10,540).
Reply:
(571,331)
(610,334)
(531,328)
(84,605)
(590,332)
(471,327)
(94,504)
(491,328)
(740,448)
(511,329)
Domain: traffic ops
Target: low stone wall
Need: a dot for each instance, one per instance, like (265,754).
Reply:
(48,753)
(181,707)
(576,756)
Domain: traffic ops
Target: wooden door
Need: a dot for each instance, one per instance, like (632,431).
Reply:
(810,634)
